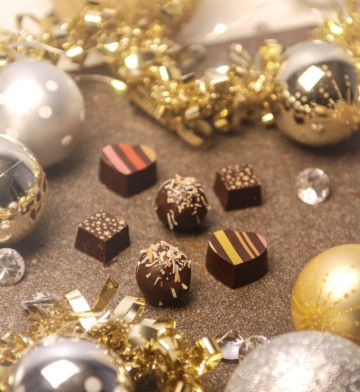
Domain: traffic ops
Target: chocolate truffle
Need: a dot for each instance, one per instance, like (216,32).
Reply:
(163,274)
(127,169)
(181,203)
(102,236)
(237,187)
(236,258)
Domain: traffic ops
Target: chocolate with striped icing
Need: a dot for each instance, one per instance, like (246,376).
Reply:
(127,169)
(236,258)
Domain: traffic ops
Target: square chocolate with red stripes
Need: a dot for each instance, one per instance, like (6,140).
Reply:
(127,169)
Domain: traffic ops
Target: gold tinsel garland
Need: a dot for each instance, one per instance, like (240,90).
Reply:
(344,30)
(144,346)
(150,65)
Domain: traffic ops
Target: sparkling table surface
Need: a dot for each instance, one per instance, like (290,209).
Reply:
(295,232)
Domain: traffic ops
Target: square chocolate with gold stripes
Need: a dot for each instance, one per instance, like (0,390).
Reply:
(102,236)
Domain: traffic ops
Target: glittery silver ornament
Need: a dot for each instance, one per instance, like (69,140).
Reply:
(41,106)
(66,364)
(318,99)
(300,362)
(22,190)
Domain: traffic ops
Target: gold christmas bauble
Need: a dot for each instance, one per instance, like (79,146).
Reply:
(317,101)
(174,12)
(326,295)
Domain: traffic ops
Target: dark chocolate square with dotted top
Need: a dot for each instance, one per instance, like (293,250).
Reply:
(102,236)
(237,187)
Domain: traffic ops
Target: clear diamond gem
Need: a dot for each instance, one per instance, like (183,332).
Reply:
(249,344)
(313,186)
(230,344)
(39,298)
(12,267)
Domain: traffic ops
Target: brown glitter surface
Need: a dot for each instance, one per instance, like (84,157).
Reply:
(294,231)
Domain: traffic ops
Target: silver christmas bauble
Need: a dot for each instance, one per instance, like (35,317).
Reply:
(66,364)
(318,96)
(41,106)
(22,190)
(300,362)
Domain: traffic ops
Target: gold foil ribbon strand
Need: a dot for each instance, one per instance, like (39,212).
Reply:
(144,346)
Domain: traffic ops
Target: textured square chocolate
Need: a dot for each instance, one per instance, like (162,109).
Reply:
(127,169)
(102,236)
(237,187)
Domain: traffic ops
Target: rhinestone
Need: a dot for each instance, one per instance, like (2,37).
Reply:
(249,344)
(12,267)
(230,344)
(39,298)
(313,186)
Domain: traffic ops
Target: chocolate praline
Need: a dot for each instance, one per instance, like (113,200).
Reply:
(236,258)
(127,169)
(102,236)
(163,274)
(237,187)
(181,203)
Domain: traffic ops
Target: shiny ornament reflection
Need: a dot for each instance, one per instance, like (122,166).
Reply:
(300,362)
(326,295)
(41,106)
(318,99)
(22,190)
(67,364)
(173,12)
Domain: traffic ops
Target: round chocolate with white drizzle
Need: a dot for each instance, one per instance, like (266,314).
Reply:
(181,203)
(163,274)
(236,258)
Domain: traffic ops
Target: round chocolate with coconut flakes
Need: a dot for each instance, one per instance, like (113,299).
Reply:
(181,203)
(163,274)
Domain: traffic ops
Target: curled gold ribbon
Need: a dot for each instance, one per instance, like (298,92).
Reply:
(142,345)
